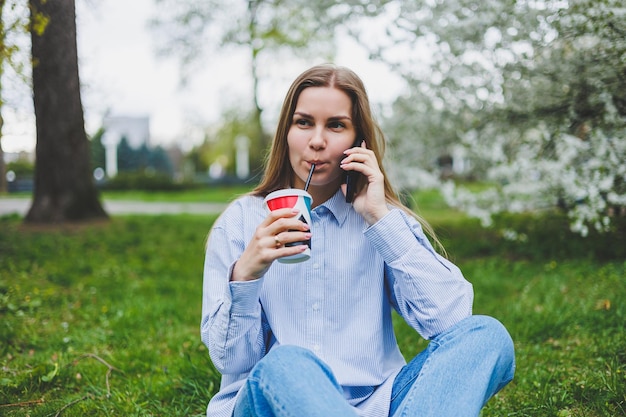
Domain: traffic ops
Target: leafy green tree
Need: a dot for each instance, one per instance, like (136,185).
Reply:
(22,168)
(159,160)
(217,146)
(98,153)
(127,158)
(3,54)
(143,159)
(199,157)
(268,30)
(13,25)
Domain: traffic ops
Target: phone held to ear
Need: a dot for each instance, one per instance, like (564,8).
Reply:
(352,177)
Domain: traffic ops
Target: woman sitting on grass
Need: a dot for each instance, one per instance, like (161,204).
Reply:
(316,338)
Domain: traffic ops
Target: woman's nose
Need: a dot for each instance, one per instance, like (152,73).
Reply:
(317,140)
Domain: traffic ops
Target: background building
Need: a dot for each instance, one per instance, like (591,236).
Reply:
(135,129)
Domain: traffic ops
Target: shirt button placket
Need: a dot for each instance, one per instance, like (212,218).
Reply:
(316,295)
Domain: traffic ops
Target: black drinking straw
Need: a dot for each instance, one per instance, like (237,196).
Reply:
(308,180)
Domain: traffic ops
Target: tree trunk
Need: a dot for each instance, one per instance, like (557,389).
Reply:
(64,187)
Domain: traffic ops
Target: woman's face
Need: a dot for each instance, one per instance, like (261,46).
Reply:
(321,129)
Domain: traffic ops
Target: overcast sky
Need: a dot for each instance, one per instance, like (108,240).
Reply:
(121,74)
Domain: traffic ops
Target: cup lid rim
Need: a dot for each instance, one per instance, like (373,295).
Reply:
(286,192)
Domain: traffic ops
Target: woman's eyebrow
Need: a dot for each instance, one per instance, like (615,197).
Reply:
(336,118)
(332,118)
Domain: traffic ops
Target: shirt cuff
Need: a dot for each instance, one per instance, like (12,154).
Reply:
(245,296)
(392,236)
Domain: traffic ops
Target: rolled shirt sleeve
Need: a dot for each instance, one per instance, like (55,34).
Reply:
(231,325)
(429,292)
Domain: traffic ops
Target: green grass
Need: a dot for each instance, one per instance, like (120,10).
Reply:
(127,292)
(431,206)
(200,195)
(209,193)
(567,321)
(104,320)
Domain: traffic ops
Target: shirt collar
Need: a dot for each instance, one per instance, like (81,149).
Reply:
(337,206)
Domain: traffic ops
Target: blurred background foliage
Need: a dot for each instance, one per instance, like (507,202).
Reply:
(526,98)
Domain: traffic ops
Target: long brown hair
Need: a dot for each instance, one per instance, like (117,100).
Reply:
(278,171)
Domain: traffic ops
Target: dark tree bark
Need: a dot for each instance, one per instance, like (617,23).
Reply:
(64,187)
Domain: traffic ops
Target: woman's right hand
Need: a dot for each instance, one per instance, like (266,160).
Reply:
(268,244)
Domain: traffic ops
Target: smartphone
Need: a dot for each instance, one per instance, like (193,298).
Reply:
(352,177)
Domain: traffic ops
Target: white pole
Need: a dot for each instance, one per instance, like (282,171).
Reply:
(110,140)
(242,159)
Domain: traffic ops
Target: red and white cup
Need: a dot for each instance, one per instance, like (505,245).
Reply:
(297,199)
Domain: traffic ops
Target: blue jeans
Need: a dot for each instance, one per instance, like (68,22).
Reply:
(454,376)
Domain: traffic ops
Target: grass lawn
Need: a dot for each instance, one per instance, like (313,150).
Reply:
(104,320)
(196,195)
(199,195)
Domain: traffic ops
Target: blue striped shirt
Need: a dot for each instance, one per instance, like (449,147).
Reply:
(338,304)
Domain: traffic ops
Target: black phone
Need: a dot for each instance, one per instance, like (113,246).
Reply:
(352,177)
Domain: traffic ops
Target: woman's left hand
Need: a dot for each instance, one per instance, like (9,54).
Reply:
(370,201)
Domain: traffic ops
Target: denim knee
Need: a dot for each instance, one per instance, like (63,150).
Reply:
(484,333)
(284,358)
(495,334)
(289,353)
(497,339)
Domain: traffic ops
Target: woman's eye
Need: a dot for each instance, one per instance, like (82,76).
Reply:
(336,125)
(302,122)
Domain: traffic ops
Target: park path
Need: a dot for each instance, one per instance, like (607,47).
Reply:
(11,205)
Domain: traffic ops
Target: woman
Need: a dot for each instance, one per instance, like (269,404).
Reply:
(316,338)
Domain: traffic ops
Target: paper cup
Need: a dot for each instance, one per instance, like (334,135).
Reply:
(300,200)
